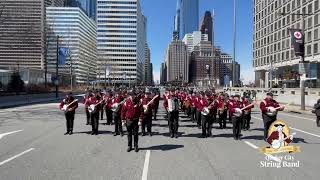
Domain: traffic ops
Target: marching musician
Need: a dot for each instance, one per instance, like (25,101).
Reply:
(85,102)
(229,100)
(269,112)
(132,117)
(165,103)
(193,107)
(108,106)
(71,105)
(199,105)
(222,111)
(156,105)
(206,117)
(246,113)
(147,118)
(173,116)
(95,101)
(102,94)
(117,114)
(236,114)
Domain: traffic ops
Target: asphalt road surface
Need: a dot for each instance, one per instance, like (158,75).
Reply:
(32,146)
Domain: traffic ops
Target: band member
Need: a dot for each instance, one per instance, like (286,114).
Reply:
(132,115)
(206,116)
(229,100)
(156,105)
(85,102)
(102,94)
(187,104)
(95,105)
(173,116)
(269,108)
(236,114)
(147,118)
(199,105)
(108,106)
(117,113)
(246,114)
(222,111)
(69,106)
(193,107)
(165,104)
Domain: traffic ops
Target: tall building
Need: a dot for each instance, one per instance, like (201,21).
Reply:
(205,65)
(22,34)
(177,62)
(272,52)
(122,39)
(147,70)
(77,32)
(193,39)
(206,26)
(151,74)
(226,70)
(177,21)
(189,16)
(88,6)
(163,73)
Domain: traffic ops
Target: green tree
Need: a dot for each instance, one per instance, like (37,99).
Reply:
(16,84)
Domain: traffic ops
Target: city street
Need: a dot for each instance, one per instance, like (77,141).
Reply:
(32,146)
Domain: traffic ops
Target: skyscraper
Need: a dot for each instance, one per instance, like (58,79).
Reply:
(193,39)
(77,32)
(22,33)
(189,16)
(176,30)
(54,3)
(121,39)
(206,26)
(88,6)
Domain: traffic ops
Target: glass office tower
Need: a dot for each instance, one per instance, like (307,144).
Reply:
(88,6)
(189,16)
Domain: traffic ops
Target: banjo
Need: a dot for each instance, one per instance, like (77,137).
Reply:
(238,112)
(146,107)
(65,107)
(92,107)
(276,144)
(206,110)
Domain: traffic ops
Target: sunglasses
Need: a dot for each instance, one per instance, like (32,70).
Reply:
(276,125)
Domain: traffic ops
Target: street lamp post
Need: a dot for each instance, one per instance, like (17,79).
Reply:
(302,63)
(57,66)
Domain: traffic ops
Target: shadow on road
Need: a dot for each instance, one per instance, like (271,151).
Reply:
(254,137)
(164,147)
(229,135)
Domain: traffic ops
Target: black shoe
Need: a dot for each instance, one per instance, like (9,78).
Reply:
(172,136)
(96,133)
(70,133)
(66,133)
(108,123)
(150,134)
(129,149)
(176,136)
(224,127)
(199,127)
(235,138)
(92,133)
(115,134)
(136,149)
(87,124)
(121,134)
(143,134)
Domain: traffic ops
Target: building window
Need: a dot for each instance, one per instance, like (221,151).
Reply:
(309,22)
(310,8)
(316,5)
(309,36)
(316,35)
(315,48)
(309,50)
(316,19)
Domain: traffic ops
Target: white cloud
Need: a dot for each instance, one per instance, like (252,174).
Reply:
(247,75)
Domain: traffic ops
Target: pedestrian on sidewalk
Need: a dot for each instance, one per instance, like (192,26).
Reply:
(317,112)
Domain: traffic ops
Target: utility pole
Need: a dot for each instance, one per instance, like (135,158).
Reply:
(234,42)
(302,62)
(57,66)
(105,73)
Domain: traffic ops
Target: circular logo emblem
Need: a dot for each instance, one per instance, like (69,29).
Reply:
(297,35)
(207,66)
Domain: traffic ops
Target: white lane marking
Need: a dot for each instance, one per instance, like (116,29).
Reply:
(298,117)
(8,133)
(305,132)
(16,156)
(315,135)
(270,156)
(146,166)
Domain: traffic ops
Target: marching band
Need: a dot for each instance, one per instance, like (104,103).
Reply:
(139,107)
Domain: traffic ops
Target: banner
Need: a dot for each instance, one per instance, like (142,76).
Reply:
(297,41)
(62,55)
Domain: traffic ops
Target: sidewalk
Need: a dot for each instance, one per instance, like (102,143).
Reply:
(20,100)
(297,109)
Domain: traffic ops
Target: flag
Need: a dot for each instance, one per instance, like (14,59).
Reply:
(297,41)
(62,55)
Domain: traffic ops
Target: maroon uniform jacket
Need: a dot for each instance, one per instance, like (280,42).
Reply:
(247,103)
(95,101)
(132,111)
(268,103)
(85,99)
(66,101)
(165,102)
(221,104)
(275,136)
(202,102)
(108,101)
(234,105)
(194,101)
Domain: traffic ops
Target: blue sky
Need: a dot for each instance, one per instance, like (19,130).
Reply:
(160,14)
